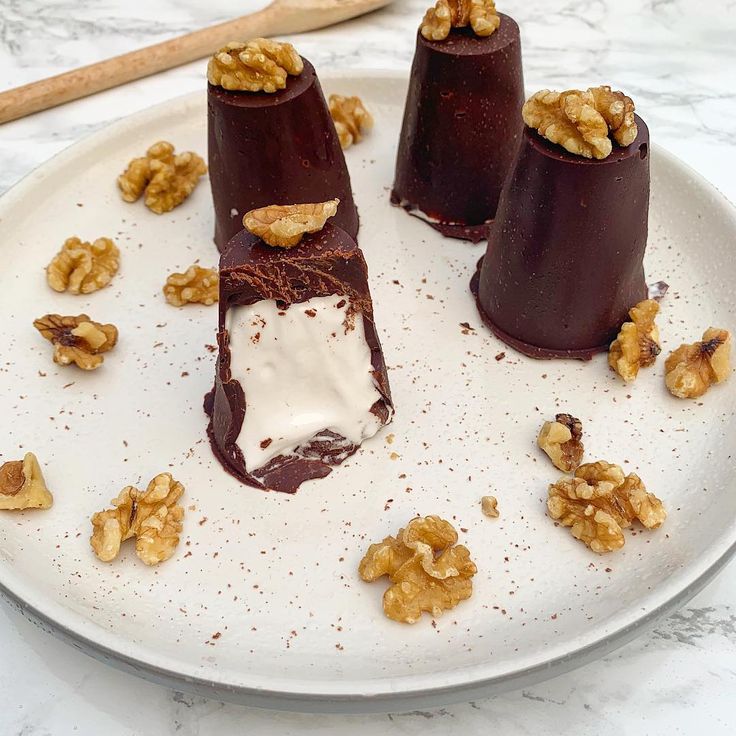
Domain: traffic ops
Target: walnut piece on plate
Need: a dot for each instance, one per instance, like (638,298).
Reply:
(22,485)
(77,339)
(445,15)
(196,285)
(427,569)
(82,267)
(581,121)
(134,180)
(561,440)
(692,369)
(284,225)
(352,120)
(637,345)
(599,502)
(489,506)
(260,65)
(152,516)
(165,178)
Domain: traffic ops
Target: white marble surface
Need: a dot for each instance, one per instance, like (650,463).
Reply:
(678,61)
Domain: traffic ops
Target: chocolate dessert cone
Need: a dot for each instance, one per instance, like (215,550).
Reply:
(271,340)
(461,130)
(564,262)
(279,147)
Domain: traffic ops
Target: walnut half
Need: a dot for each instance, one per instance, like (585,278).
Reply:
(352,120)
(692,369)
(581,121)
(77,339)
(167,179)
(195,285)
(427,569)
(81,268)
(637,345)
(284,225)
(152,516)
(260,65)
(22,485)
(561,440)
(480,15)
(599,502)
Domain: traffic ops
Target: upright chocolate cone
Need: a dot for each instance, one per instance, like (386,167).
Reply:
(461,130)
(274,147)
(564,262)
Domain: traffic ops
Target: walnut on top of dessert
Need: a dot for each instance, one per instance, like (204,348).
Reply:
(284,225)
(165,178)
(352,120)
(637,345)
(692,369)
(582,121)
(22,485)
(259,65)
(77,339)
(480,15)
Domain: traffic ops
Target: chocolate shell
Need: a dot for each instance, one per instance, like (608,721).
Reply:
(274,148)
(461,130)
(324,264)
(564,262)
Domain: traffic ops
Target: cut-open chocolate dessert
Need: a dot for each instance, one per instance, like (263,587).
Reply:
(270,136)
(300,379)
(462,120)
(564,262)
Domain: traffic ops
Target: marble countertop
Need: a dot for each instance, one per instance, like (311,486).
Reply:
(678,63)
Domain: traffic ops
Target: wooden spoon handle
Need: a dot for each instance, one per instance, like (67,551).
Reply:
(30,98)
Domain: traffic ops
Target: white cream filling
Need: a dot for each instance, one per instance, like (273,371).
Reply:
(301,373)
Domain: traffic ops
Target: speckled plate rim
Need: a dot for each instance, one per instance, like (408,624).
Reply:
(379,694)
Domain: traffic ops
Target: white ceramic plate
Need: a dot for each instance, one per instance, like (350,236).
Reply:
(275,575)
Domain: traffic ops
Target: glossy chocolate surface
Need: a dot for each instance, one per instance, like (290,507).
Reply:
(461,130)
(323,264)
(278,148)
(564,262)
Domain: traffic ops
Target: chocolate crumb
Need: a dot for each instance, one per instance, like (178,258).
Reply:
(265,443)
(310,312)
(500,356)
